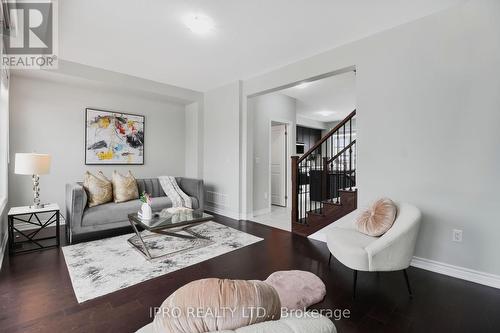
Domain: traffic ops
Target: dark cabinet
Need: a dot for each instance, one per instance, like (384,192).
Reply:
(300,135)
(307,136)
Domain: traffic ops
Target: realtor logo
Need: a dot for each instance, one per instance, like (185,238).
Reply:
(29,32)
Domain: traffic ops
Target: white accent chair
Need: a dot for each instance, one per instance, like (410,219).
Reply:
(392,251)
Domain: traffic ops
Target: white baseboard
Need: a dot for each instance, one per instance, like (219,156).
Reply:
(486,279)
(223,212)
(261,211)
(246,216)
(463,273)
(3,247)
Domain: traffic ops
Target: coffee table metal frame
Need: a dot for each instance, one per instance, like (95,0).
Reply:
(174,230)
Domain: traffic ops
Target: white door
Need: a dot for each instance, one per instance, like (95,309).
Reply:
(278,165)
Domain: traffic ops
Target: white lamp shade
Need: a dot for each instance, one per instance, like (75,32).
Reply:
(32,164)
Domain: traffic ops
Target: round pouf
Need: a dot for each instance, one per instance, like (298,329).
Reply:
(297,289)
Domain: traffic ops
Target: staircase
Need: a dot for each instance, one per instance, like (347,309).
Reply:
(324,180)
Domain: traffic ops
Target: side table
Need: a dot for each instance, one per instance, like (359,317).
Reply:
(33,236)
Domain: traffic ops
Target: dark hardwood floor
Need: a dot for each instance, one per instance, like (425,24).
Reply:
(36,293)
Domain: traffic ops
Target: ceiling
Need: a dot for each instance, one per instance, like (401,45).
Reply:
(148,39)
(325,100)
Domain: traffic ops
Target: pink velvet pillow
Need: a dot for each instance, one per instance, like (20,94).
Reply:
(211,305)
(376,220)
(297,290)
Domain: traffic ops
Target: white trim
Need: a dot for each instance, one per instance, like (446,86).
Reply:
(3,205)
(288,157)
(463,273)
(486,279)
(261,211)
(226,213)
(4,240)
(245,216)
(3,247)
(223,212)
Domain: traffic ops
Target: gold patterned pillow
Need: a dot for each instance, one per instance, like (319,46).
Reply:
(124,187)
(99,189)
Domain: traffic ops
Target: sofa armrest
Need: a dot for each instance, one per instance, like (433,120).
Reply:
(193,188)
(76,201)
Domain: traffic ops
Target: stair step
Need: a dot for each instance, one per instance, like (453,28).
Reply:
(334,203)
(316,212)
(346,190)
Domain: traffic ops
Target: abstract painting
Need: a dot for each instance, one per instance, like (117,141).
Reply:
(113,137)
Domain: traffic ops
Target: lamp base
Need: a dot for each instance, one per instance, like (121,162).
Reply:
(37,206)
(36,193)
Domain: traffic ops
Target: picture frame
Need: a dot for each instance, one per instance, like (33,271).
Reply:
(114,137)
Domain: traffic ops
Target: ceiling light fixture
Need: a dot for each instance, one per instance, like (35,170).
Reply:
(199,23)
(302,85)
(325,113)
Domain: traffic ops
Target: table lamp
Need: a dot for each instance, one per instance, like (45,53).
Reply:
(34,165)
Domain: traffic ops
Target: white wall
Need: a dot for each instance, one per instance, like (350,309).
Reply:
(192,139)
(330,125)
(264,109)
(4,150)
(4,138)
(49,117)
(221,149)
(311,123)
(428,119)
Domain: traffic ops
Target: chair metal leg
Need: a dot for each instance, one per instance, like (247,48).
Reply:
(329,261)
(408,283)
(355,279)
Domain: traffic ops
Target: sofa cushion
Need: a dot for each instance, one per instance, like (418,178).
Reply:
(159,203)
(118,212)
(110,212)
(216,305)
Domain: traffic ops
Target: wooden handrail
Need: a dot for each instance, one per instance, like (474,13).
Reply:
(329,134)
(353,142)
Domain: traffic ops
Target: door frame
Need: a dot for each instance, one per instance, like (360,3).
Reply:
(289,149)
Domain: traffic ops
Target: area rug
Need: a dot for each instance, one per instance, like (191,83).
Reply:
(101,267)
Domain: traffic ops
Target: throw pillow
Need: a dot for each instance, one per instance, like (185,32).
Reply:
(211,305)
(99,189)
(124,187)
(378,219)
(297,290)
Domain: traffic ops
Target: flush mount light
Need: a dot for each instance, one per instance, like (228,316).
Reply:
(302,85)
(325,113)
(199,23)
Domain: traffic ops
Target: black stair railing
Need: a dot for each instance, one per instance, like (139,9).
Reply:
(325,169)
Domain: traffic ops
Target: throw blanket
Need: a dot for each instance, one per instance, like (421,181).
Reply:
(174,192)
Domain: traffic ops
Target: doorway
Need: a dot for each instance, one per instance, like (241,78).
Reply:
(306,111)
(278,165)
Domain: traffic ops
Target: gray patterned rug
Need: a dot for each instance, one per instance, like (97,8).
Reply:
(101,267)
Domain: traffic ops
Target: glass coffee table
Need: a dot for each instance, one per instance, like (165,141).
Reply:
(176,224)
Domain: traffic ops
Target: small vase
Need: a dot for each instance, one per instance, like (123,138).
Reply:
(146,212)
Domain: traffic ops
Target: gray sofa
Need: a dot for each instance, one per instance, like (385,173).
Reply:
(83,222)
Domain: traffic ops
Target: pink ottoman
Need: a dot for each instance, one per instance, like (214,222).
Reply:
(297,289)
